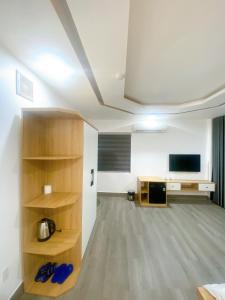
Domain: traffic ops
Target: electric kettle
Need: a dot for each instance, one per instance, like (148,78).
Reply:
(45,229)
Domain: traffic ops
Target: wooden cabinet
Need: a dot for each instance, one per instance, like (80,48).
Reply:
(143,188)
(152,193)
(52,154)
(157,197)
(157,193)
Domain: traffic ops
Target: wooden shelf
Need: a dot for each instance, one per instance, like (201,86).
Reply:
(54,200)
(57,244)
(54,113)
(158,204)
(189,190)
(53,157)
(52,153)
(144,203)
(52,289)
(147,204)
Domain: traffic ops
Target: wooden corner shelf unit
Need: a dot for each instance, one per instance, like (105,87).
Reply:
(52,154)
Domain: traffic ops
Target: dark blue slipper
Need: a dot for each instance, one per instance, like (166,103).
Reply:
(42,271)
(62,272)
(45,272)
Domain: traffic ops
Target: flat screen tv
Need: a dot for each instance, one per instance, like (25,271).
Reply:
(184,162)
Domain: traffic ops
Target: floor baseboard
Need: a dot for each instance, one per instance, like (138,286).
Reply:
(17,293)
(111,194)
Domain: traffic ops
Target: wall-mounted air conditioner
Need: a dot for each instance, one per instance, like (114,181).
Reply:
(143,128)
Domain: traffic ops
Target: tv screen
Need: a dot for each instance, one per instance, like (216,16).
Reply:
(184,162)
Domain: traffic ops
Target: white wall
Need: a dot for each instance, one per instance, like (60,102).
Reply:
(10,114)
(89,192)
(150,151)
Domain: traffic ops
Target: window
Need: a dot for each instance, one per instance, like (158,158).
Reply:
(114,152)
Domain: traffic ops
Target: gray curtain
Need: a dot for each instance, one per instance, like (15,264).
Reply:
(114,152)
(218,155)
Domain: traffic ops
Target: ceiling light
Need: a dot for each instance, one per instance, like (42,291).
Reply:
(150,122)
(53,67)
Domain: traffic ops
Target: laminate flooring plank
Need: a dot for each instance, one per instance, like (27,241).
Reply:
(151,253)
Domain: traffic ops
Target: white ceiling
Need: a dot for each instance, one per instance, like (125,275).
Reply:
(175,53)
(29,29)
(175,50)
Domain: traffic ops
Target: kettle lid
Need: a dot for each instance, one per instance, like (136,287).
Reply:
(44,220)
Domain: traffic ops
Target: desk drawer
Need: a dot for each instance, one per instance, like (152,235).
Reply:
(173,186)
(206,187)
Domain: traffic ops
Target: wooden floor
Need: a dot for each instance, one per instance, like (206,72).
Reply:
(151,253)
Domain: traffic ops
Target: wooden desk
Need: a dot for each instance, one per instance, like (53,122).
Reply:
(182,185)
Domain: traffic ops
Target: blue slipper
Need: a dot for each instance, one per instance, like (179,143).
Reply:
(62,272)
(45,272)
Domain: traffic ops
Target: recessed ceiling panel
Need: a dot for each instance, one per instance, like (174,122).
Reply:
(175,50)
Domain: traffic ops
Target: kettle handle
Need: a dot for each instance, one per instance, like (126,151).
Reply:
(52,227)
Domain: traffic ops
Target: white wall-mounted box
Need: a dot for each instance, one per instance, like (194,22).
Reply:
(24,86)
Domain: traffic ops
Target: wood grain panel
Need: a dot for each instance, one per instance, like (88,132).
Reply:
(52,152)
(53,200)
(203,294)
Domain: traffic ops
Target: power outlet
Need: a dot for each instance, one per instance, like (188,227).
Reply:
(5,274)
